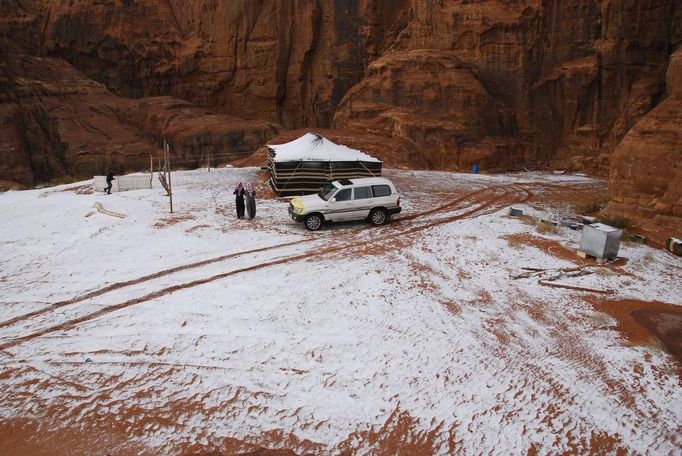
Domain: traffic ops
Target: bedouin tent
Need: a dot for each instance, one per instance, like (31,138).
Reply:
(308,163)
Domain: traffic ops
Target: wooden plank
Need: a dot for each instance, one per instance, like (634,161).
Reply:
(101,209)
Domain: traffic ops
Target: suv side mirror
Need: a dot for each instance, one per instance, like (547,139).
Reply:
(333,200)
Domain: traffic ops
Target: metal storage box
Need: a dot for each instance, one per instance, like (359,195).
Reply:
(601,241)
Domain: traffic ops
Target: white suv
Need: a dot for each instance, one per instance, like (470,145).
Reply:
(372,198)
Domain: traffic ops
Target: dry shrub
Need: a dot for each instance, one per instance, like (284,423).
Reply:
(648,258)
(617,221)
(546,228)
(63,180)
(528,220)
(514,243)
(605,272)
(173,219)
(590,205)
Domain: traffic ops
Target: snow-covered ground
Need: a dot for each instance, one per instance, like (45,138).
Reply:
(191,330)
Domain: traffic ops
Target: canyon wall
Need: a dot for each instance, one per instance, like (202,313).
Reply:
(576,75)
(645,181)
(504,84)
(55,122)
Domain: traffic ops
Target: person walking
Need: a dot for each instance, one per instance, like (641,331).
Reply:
(110,177)
(239,200)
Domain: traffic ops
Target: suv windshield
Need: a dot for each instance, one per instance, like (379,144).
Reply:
(327,192)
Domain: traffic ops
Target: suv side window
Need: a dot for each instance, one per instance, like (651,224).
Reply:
(343,195)
(381,190)
(363,192)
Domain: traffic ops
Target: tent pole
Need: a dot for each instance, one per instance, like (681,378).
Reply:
(370,172)
(292,175)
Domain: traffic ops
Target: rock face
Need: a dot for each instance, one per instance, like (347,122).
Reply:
(285,61)
(55,122)
(435,102)
(574,75)
(499,83)
(577,74)
(646,173)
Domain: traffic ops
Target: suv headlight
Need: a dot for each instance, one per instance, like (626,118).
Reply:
(297,205)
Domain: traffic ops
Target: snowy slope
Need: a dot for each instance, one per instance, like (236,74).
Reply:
(182,331)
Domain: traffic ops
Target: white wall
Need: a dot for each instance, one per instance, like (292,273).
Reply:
(123,183)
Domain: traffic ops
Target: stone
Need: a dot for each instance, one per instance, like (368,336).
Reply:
(575,75)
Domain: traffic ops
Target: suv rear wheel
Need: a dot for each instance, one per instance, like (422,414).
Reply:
(378,216)
(313,222)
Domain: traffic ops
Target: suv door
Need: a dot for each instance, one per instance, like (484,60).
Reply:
(363,202)
(342,206)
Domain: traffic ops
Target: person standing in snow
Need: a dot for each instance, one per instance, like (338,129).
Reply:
(250,201)
(239,200)
(110,177)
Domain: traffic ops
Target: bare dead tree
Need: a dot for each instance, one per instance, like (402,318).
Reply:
(164,174)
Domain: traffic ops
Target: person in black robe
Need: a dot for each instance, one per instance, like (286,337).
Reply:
(110,177)
(239,200)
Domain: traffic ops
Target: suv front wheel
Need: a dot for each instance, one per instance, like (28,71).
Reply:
(378,216)
(313,222)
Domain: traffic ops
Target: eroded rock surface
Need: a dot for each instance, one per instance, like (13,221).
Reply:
(55,122)
(645,181)
(503,84)
(285,61)
(435,102)
(574,75)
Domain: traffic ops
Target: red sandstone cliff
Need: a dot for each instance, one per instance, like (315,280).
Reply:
(577,75)
(646,171)
(56,122)
(501,83)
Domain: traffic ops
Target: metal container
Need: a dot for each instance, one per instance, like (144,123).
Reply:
(601,241)
(515,212)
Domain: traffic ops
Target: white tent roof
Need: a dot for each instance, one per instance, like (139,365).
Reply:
(315,147)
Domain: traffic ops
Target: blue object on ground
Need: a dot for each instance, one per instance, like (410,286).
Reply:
(474,169)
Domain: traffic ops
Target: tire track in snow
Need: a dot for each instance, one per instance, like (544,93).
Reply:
(199,264)
(146,278)
(486,203)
